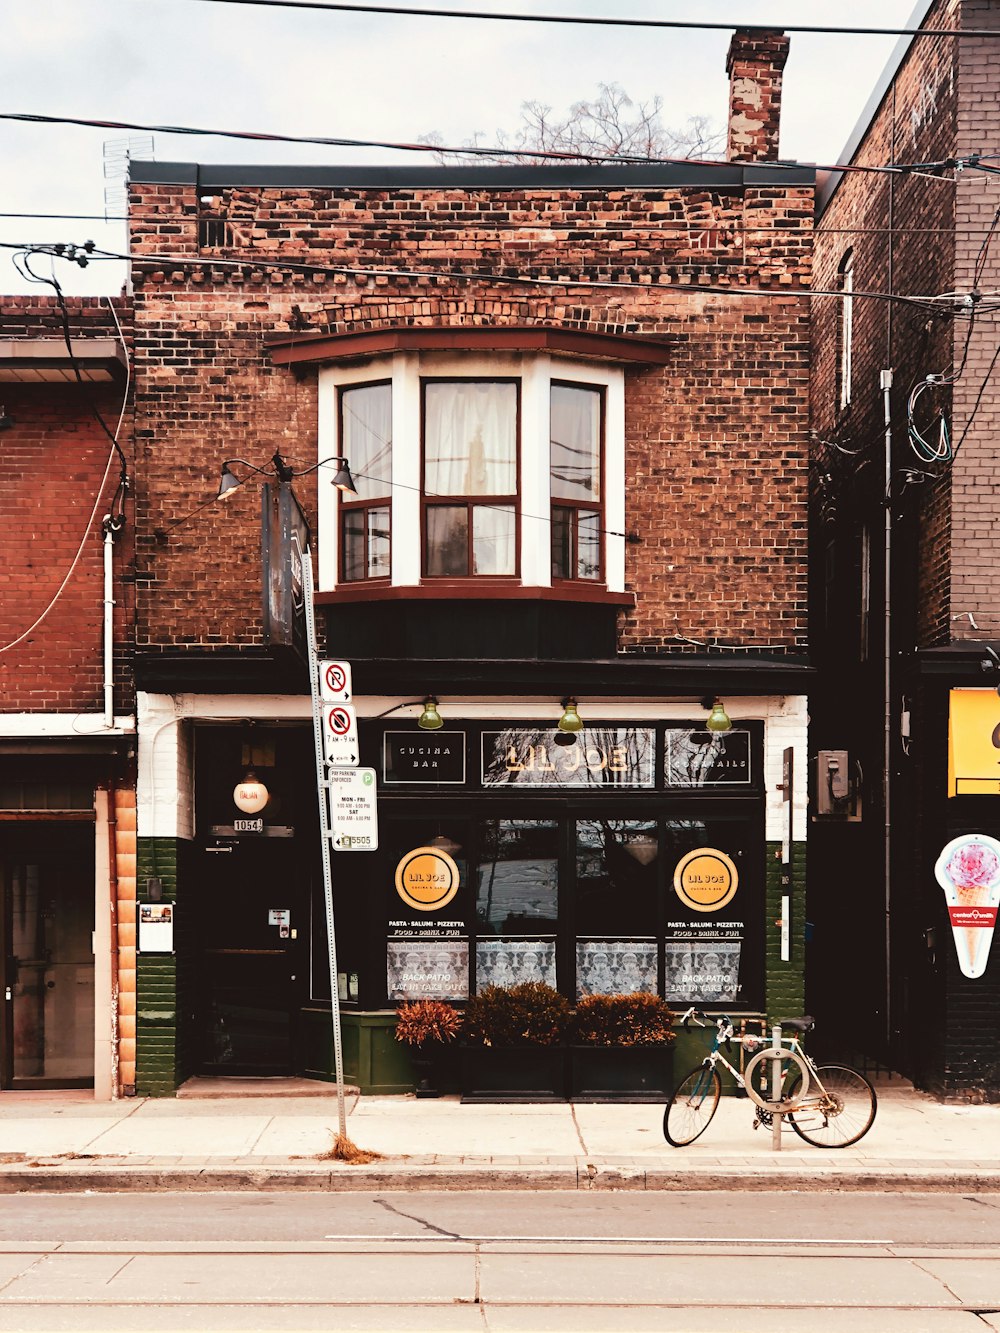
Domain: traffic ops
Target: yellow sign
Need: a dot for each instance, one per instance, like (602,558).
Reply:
(974,743)
(706,879)
(427,879)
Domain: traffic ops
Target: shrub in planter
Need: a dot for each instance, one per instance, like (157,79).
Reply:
(421,1023)
(623,1020)
(528,1014)
(427,1027)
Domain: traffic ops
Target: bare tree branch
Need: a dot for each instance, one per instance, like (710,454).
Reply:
(610,126)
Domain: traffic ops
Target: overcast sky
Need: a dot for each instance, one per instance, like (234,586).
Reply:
(368,76)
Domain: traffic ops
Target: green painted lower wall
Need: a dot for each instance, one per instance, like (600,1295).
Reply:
(785,982)
(158,1048)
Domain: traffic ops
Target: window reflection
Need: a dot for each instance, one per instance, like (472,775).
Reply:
(616,877)
(517,879)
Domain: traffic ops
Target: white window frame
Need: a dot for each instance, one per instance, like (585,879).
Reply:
(536,372)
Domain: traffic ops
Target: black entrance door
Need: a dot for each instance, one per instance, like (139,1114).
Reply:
(47,924)
(253,954)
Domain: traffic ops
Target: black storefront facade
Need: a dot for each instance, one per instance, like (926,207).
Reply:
(646,854)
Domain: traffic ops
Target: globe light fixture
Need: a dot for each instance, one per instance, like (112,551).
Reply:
(718,719)
(250,795)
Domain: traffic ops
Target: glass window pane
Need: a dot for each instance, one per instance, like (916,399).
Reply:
(575,429)
(616,877)
(517,880)
(447,541)
(378,543)
(493,529)
(506,962)
(562,531)
(615,967)
(588,541)
(366,438)
(470,438)
(352,537)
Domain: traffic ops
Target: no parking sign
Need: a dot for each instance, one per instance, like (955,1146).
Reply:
(335,682)
(340,734)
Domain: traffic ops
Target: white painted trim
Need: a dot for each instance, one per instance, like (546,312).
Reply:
(166,799)
(77,726)
(105,997)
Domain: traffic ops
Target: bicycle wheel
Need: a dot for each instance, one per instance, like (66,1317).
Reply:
(838,1110)
(689,1111)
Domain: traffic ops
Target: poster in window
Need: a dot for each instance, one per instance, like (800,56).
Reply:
(615,967)
(702,962)
(506,962)
(427,969)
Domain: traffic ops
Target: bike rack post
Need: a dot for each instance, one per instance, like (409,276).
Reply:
(776,1090)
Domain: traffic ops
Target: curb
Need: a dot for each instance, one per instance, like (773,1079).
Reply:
(43,1179)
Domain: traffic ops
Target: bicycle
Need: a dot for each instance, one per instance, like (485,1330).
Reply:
(830,1106)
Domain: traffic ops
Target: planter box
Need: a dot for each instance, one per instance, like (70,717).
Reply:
(514,1074)
(621,1073)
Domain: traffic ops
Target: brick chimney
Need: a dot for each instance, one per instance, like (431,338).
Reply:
(754,66)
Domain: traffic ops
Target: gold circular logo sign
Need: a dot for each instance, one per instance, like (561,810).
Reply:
(706,879)
(427,879)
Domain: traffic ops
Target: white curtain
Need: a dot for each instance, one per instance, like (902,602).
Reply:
(575,430)
(470,440)
(367,438)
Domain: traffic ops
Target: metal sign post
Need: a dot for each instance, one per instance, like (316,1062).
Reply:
(322,791)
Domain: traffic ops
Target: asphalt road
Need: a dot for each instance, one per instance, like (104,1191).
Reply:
(501,1263)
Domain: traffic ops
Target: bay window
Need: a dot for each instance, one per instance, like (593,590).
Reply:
(503,471)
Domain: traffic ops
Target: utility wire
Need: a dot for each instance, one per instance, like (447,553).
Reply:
(178,262)
(546,154)
(609,22)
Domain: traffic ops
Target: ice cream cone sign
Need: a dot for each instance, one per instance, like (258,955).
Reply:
(968,870)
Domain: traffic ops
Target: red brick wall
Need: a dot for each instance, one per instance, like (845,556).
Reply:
(975,506)
(900,230)
(717,442)
(54,460)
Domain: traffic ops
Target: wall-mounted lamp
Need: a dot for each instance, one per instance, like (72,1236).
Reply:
(430,719)
(570,720)
(229,481)
(6,422)
(250,795)
(718,719)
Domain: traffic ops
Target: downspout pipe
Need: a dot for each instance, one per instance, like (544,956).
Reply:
(110,527)
(885,381)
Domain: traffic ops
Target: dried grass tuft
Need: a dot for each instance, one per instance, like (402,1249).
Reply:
(344,1150)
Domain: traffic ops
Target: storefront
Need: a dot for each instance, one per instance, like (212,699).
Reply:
(643,853)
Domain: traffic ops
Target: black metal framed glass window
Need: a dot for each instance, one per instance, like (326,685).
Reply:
(576,414)
(366,433)
(470,478)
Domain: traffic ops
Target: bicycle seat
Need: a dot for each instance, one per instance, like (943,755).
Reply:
(804,1024)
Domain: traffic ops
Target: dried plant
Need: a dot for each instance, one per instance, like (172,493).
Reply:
(421,1022)
(623,1020)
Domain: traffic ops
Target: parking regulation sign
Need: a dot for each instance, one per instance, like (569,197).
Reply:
(335,682)
(354,810)
(340,735)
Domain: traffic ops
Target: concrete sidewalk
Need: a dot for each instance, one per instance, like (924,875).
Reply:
(68,1142)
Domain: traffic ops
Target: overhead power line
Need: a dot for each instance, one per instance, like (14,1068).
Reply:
(927,303)
(929,171)
(599,21)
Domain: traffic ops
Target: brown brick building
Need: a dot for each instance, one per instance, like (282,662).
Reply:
(67,726)
(574,403)
(914,652)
